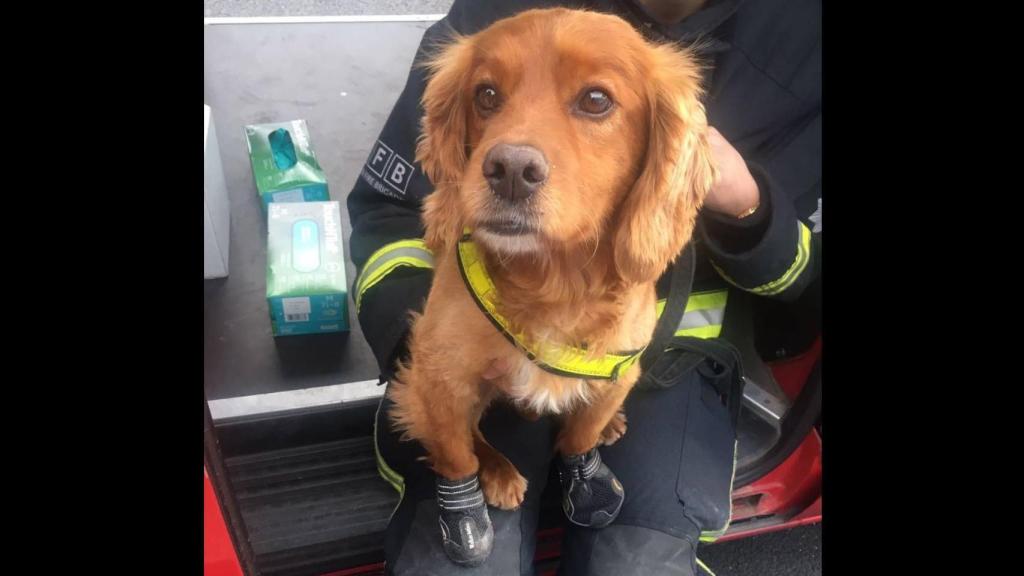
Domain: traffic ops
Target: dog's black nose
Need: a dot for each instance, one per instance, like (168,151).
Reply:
(515,172)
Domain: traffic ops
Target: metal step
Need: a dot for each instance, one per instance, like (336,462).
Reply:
(313,509)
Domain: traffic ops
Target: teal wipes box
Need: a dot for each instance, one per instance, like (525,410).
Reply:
(283,163)
(306,291)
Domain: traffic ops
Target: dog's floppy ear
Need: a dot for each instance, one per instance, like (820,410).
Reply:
(657,218)
(441,149)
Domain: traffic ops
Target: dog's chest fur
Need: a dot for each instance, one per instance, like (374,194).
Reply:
(540,392)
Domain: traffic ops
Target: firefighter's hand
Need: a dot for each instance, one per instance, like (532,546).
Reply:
(734,192)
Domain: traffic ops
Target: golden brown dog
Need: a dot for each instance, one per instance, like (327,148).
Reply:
(576,152)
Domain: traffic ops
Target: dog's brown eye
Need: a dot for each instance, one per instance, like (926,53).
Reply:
(487,98)
(594,102)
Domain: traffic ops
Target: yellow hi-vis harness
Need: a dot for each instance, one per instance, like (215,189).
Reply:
(564,360)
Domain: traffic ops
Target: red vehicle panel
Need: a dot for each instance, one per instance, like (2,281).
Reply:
(219,557)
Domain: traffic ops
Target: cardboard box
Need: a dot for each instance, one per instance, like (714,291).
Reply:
(306,288)
(283,163)
(216,208)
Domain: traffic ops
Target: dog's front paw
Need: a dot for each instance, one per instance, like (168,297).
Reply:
(615,429)
(466,530)
(591,494)
(504,487)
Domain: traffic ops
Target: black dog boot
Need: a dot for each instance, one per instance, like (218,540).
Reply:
(591,494)
(465,526)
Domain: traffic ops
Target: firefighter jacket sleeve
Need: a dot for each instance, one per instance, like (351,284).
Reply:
(772,252)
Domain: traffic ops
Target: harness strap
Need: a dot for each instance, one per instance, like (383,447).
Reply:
(572,361)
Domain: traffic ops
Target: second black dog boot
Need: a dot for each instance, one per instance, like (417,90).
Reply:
(591,494)
(465,525)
